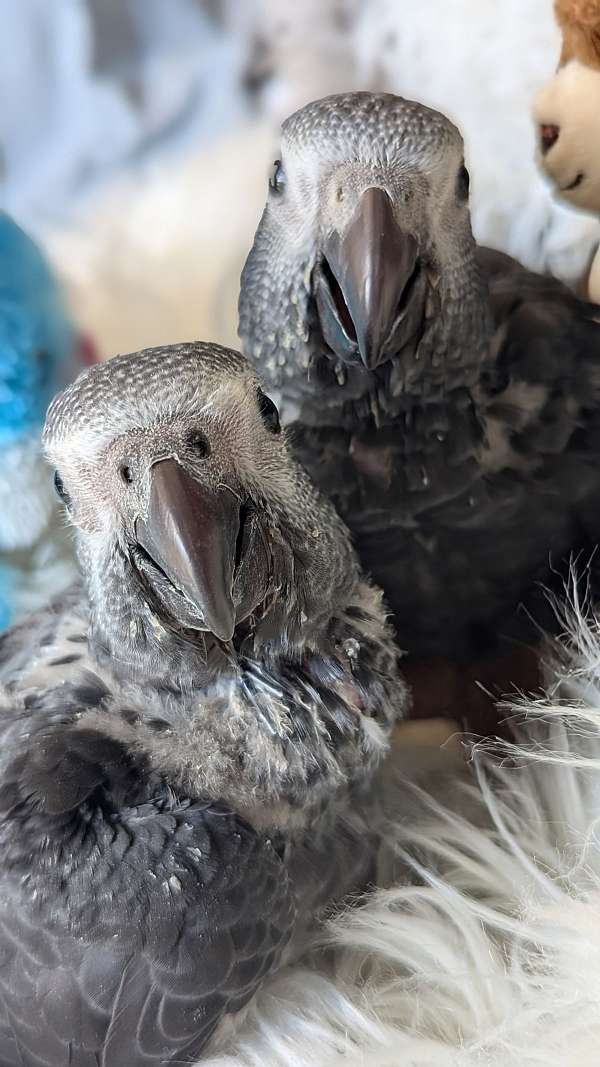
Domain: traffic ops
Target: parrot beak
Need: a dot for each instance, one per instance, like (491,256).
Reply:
(191,534)
(369,271)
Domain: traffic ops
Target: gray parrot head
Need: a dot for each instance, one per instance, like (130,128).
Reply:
(194,526)
(364,253)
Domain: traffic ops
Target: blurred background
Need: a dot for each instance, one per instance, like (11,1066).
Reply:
(136,135)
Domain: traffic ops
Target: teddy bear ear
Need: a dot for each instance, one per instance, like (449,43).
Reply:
(579,21)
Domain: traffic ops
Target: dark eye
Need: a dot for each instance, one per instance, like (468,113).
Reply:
(60,489)
(126,473)
(277,179)
(198,443)
(269,412)
(462,183)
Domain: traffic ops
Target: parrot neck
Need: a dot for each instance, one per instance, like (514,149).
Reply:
(303,729)
(452,355)
(130,640)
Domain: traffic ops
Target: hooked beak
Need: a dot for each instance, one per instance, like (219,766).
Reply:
(191,533)
(370,268)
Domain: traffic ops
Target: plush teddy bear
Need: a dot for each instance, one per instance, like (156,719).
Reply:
(567,111)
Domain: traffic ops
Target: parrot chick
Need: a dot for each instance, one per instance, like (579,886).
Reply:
(447,399)
(190,739)
(39,353)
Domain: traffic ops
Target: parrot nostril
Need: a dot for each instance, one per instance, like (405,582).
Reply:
(548,136)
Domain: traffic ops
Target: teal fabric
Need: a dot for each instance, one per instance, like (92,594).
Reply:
(37,347)
(36,341)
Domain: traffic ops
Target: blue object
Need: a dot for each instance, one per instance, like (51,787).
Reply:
(36,338)
(37,358)
(7,582)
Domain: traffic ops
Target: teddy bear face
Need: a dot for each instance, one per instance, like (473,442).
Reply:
(567,113)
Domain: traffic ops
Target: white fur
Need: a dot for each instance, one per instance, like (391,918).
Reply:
(33,542)
(157,260)
(485,952)
(27,498)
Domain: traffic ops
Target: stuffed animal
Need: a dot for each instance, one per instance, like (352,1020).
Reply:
(567,111)
(39,353)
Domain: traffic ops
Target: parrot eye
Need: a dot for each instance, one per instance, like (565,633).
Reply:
(277,179)
(126,473)
(462,183)
(269,412)
(61,491)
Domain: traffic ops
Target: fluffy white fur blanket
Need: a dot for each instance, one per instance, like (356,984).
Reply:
(485,952)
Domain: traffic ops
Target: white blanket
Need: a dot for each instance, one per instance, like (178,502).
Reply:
(486,950)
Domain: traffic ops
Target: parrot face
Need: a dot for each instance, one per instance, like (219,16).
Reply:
(365,235)
(175,473)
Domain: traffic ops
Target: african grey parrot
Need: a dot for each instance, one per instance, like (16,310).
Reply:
(448,400)
(189,741)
